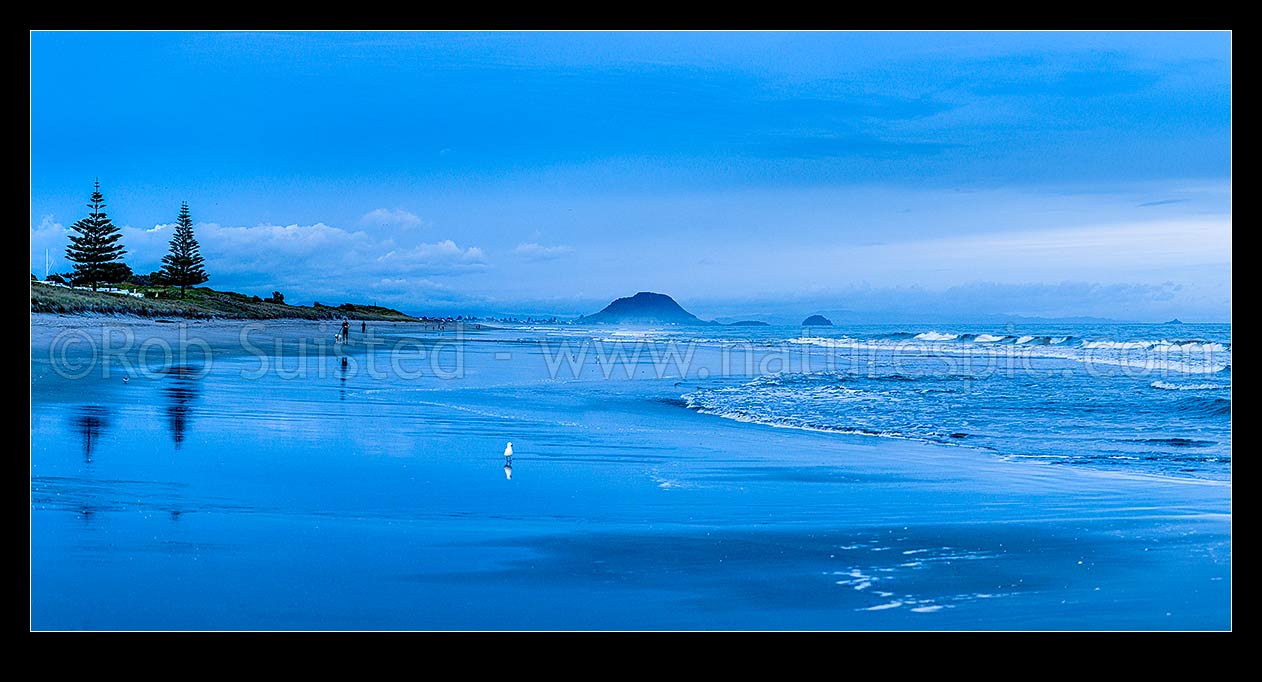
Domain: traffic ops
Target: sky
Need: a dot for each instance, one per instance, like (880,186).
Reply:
(895,176)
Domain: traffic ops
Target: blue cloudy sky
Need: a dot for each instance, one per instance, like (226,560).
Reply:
(747,174)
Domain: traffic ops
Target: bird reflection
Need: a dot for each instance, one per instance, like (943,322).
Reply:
(181,391)
(508,461)
(90,421)
(87,513)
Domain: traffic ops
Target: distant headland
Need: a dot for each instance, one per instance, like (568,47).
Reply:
(817,321)
(198,302)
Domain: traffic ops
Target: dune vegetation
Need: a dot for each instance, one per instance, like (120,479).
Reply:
(197,302)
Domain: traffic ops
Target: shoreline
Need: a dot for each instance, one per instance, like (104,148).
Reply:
(232,347)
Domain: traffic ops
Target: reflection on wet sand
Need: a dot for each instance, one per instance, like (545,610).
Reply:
(90,422)
(341,390)
(181,391)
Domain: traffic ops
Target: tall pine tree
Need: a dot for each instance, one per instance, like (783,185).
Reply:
(95,251)
(183,265)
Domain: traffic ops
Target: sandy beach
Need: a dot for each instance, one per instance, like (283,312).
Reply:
(312,496)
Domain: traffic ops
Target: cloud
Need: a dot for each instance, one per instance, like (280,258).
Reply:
(1066,298)
(49,223)
(396,218)
(982,302)
(1163,202)
(443,252)
(333,265)
(1118,252)
(319,252)
(308,262)
(49,238)
(538,252)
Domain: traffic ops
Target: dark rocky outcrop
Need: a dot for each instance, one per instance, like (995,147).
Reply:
(645,308)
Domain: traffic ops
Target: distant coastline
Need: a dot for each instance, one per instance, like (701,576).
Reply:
(201,303)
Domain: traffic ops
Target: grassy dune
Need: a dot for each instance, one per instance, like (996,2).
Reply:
(198,302)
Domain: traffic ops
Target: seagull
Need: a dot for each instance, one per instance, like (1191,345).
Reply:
(127,379)
(508,451)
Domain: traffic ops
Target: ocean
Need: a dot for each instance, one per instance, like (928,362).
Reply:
(1150,399)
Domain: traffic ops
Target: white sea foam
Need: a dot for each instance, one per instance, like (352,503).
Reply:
(1193,347)
(858,580)
(1170,386)
(1162,365)
(882,607)
(1117,345)
(1158,345)
(1192,357)
(644,333)
(903,392)
(843,342)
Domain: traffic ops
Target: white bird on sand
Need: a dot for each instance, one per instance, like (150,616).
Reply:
(126,379)
(508,451)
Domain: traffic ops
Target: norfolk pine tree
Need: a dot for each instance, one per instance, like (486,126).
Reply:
(94,250)
(183,265)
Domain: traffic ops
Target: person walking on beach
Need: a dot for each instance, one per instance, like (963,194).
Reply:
(346,330)
(363,327)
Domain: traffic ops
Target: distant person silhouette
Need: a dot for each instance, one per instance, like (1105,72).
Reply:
(346,331)
(363,327)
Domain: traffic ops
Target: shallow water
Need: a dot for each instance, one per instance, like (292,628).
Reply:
(257,487)
(1135,398)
